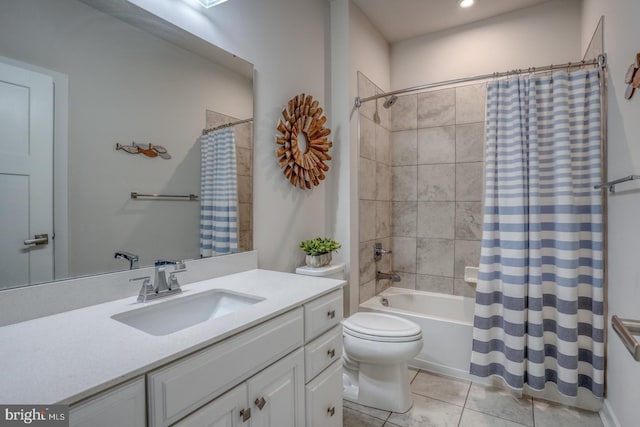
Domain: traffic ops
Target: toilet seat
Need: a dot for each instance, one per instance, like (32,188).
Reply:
(381,327)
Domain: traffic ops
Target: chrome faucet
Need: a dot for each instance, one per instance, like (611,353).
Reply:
(161,286)
(132,258)
(378,252)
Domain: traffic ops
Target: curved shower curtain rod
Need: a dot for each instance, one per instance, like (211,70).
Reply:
(600,61)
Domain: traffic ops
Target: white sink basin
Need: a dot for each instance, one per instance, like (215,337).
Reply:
(176,314)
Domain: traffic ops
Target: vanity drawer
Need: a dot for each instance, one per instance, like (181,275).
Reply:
(322,314)
(322,352)
(183,386)
(324,398)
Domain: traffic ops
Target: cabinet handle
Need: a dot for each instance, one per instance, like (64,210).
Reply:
(260,403)
(245,414)
(331,314)
(331,411)
(331,352)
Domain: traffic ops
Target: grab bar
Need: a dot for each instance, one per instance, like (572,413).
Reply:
(625,328)
(612,184)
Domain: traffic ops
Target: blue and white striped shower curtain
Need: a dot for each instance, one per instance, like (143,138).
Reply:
(218,194)
(539,302)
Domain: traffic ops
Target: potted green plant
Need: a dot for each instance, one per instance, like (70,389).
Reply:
(319,251)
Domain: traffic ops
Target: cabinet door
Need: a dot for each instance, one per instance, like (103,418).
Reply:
(276,395)
(324,398)
(229,410)
(123,406)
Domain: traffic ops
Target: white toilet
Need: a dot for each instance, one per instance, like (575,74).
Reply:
(377,348)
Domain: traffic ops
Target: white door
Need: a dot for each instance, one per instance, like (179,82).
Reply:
(276,395)
(26,175)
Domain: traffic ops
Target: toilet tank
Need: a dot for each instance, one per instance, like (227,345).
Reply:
(331,271)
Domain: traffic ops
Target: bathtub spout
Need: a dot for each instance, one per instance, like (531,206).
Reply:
(394,277)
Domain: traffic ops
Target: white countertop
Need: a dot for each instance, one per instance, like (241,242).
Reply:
(69,356)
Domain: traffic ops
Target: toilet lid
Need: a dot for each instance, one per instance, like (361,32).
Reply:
(381,327)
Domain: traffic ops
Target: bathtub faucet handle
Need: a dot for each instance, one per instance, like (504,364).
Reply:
(378,251)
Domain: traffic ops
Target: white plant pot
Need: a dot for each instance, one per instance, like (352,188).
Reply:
(317,261)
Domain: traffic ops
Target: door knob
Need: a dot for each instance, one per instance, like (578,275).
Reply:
(38,239)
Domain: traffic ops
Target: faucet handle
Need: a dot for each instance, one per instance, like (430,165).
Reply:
(378,251)
(173,280)
(146,289)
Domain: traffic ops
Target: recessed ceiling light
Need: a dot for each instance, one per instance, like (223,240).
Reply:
(465,3)
(210,3)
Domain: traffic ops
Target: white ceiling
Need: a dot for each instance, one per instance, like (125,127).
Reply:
(403,19)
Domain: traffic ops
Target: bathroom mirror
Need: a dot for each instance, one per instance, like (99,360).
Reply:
(112,73)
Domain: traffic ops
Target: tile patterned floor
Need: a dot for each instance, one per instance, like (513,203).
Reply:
(440,401)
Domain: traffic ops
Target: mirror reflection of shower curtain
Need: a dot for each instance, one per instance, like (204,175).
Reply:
(539,303)
(218,194)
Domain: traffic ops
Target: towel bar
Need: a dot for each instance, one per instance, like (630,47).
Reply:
(612,184)
(625,328)
(191,197)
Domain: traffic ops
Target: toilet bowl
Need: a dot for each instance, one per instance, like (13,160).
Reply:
(377,348)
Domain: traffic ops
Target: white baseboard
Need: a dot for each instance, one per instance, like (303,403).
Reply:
(441,369)
(607,415)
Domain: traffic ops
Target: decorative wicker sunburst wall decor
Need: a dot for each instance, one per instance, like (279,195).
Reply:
(303,116)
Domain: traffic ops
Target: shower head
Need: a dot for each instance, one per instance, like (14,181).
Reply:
(389,101)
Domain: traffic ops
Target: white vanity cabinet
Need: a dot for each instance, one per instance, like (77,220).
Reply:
(283,372)
(124,405)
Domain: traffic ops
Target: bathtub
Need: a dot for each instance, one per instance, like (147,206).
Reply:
(446,322)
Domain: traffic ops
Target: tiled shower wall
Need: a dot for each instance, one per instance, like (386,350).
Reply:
(437,144)
(374,189)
